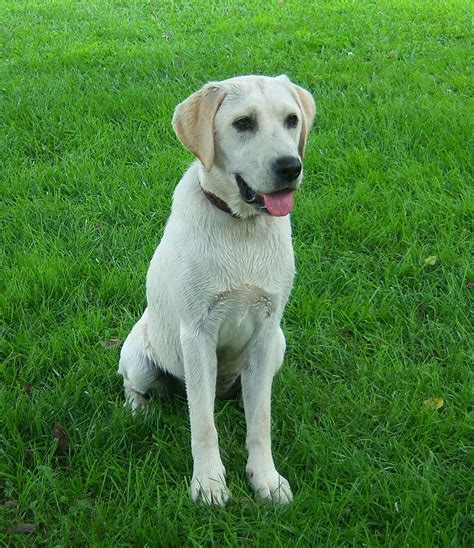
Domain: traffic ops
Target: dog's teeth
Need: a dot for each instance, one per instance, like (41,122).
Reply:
(250,197)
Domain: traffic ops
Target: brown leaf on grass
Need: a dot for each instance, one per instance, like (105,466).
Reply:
(470,285)
(425,311)
(431,260)
(61,435)
(246,501)
(433,403)
(13,503)
(27,390)
(21,528)
(111,343)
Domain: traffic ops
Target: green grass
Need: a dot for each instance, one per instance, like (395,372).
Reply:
(88,165)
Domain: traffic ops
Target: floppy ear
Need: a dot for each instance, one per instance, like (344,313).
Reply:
(193,122)
(308,108)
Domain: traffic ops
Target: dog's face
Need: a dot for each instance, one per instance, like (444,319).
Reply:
(252,130)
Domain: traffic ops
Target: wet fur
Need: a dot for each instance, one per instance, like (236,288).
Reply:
(217,285)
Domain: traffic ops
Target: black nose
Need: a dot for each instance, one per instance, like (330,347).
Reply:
(287,168)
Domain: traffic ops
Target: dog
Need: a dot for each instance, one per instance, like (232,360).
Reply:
(220,278)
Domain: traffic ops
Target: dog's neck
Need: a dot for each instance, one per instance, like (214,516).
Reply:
(217,202)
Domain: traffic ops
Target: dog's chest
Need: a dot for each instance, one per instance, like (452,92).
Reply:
(252,280)
(238,312)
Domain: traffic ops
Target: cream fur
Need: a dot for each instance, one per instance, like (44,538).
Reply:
(217,285)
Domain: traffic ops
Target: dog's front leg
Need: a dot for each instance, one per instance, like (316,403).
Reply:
(200,369)
(265,356)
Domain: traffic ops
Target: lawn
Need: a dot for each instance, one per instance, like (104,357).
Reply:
(372,410)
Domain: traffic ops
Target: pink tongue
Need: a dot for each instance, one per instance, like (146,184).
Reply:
(279,203)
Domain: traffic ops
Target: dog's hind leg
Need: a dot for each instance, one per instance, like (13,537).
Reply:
(136,365)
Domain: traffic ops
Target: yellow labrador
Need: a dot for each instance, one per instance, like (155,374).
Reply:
(222,273)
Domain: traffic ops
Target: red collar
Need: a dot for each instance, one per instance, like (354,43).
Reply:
(217,202)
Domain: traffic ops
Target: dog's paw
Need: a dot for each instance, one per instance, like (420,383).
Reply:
(134,400)
(209,486)
(270,486)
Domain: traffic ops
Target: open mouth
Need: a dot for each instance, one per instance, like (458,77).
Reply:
(248,195)
(278,203)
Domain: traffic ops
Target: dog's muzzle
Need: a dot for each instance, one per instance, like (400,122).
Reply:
(248,195)
(278,203)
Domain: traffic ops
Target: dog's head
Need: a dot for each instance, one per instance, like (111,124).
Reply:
(251,131)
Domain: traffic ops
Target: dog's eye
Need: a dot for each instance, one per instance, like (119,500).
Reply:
(291,121)
(244,124)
